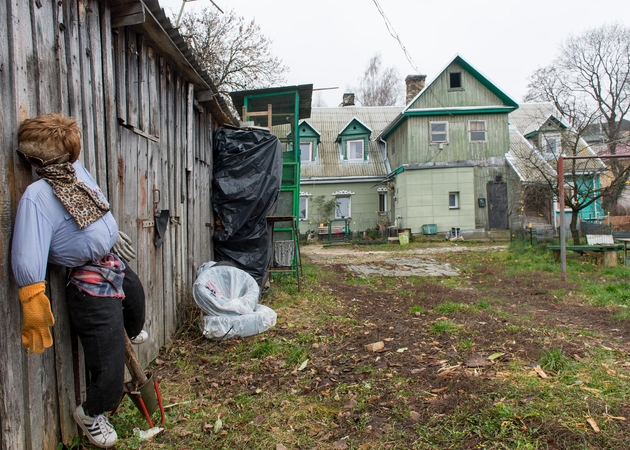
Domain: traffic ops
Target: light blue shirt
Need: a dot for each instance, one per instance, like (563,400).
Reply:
(46,232)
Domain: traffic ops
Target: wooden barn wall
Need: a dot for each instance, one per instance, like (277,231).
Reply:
(147,143)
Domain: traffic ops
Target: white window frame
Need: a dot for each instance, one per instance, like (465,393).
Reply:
(311,156)
(432,140)
(351,141)
(382,198)
(305,197)
(453,200)
(471,131)
(338,214)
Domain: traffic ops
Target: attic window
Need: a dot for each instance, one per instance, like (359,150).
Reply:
(455,80)
(354,150)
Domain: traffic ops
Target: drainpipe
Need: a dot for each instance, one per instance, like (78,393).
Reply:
(385,158)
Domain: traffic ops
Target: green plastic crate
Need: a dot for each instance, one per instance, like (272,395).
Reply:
(429,228)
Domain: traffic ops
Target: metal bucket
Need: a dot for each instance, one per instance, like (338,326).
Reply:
(146,392)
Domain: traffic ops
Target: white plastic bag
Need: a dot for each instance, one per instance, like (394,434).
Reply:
(228,297)
(225,327)
(225,290)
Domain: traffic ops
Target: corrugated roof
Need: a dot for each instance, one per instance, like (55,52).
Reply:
(526,161)
(330,122)
(529,117)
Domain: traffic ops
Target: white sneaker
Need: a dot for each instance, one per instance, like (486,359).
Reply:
(142,337)
(97,429)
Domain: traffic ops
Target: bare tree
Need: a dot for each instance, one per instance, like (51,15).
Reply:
(234,52)
(589,83)
(581,186)
(318,101)
(379,86)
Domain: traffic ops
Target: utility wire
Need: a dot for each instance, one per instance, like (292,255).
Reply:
(390,29)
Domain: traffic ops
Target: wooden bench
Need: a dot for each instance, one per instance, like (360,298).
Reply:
(607,251)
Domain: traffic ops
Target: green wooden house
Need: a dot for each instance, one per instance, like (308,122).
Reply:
(548,135)
(446,150)
(342,162)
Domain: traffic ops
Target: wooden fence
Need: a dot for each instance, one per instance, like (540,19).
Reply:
(122,71)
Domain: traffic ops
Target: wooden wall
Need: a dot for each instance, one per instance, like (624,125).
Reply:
(148,144)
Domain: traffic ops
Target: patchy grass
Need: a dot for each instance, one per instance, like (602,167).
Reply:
(309,383)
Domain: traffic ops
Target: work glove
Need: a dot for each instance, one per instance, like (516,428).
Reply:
(37,318)
(123,247)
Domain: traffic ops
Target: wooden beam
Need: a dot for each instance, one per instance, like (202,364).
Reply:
(139,132)
(128,14)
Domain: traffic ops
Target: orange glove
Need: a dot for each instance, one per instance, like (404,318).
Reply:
(37,317)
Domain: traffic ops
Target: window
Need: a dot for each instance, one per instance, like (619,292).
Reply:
(551,145)
(303,208)
(455,80)
(453,200)
(382,204)
(439,132)
(477,130)
(354,150)
(343,207)
(306,151)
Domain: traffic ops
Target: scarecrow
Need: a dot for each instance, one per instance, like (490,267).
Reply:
(63,218)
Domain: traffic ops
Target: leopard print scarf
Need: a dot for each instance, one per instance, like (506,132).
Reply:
(81,202)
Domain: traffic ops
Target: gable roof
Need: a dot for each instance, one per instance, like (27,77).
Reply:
(528,120)
(458,59)
(366,129)
(508,104)
(530,117)
(526,161)
(305,123)
(330,122)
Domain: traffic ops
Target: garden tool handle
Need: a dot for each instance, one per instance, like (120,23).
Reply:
(132,363)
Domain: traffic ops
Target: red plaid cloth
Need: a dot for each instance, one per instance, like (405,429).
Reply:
(103,278)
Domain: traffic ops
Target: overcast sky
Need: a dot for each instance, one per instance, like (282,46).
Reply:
(329,42)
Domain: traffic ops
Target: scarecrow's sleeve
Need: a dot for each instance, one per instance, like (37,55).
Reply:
(32,236)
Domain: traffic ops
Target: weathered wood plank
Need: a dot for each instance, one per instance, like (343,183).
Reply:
(94,55)
(158,186)
(73,63)
(190,120)
(121,75)
(43,398)
(20,391)
(109,53)
(144,248)
(129,14)
(168,170)
(132,54)
(12,429)
(158,38)
(86,89)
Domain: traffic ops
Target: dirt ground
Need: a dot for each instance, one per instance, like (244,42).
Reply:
(442,378)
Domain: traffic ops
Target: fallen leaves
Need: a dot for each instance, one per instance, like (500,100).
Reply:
(593,424)
(375,347)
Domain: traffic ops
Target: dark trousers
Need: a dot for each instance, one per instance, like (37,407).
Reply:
(101,323)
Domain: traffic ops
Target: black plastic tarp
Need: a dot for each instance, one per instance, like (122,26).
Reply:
(246,182)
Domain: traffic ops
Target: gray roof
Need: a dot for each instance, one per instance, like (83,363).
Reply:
(330,122)
(526,161)
(530,117)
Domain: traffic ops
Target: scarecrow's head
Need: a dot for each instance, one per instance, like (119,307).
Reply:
(49,139)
